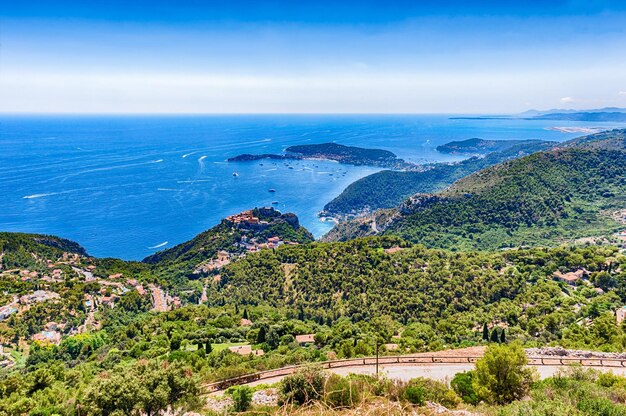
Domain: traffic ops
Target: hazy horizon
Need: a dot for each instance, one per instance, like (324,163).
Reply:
(369,57)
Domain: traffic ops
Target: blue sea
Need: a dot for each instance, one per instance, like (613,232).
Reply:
(127,186)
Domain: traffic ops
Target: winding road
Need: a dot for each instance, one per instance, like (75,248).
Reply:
(439,366)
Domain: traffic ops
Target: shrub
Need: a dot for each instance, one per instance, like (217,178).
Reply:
(415,395)
(462,385)
(502,375)
(434,391)
(242,398)
(303,386)
(342,392)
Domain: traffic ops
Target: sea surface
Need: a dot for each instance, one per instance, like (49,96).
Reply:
(127,186)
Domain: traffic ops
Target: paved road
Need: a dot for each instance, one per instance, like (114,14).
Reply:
(442,372)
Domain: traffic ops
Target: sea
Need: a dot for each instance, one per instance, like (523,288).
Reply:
(128,186)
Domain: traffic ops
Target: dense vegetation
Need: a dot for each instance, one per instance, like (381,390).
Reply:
(482,146)
(181,259)
(118,352)
(444,297)
(388,189)
(332,151)
(542,199)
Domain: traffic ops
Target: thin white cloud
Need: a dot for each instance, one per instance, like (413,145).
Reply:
(567,100)
(622,93)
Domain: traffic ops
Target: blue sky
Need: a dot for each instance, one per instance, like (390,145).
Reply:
(311,57)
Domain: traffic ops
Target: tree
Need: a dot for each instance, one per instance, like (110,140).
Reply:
(175,341)
(462,384)
(273,338)
(502,337)
(142,389)
(485,332)
(262,335)
(245,314)
(494,335)
(501,375)
(208,347)
(242,398)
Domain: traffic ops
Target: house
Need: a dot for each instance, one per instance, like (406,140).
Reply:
(140,290)
(570,278)
(245,322)
(53,337)
(241,349)
(246,350)
(115,276)
(305,339)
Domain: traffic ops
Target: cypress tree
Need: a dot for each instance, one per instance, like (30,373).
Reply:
(494,335)
(485,332)
(261,336)
(502,337)
(245,314)
(207,347)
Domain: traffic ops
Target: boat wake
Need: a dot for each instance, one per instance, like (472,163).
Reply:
(159,245)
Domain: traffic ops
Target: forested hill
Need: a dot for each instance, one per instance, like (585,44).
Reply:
(542,199)
(237,234)
(20,250)
(332,151)
(607,140)
(482,146)
(387,189)
(366,278)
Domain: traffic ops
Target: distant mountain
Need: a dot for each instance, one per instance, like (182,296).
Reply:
(585,116)
(542,199)
(533,113)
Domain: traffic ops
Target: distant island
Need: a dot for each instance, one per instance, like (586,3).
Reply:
(350,155)
(481,146)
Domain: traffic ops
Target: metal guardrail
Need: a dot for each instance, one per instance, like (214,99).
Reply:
(403,359)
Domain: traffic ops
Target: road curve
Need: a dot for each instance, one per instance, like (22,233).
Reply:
(438,367)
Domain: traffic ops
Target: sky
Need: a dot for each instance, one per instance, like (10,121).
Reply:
(186,56)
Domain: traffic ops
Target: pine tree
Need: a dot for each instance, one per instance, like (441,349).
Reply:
(502,337)
(494,335)
(485,332)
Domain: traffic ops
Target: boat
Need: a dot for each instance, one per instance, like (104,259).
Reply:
(235,174)
(274,202)
(272,190)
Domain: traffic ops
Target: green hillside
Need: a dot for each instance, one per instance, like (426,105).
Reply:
(20,250)
(228,236)
(388,189)
(542,199)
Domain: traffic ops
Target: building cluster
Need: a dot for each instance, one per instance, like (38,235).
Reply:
(247,220)
(162,301)
(251,244)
